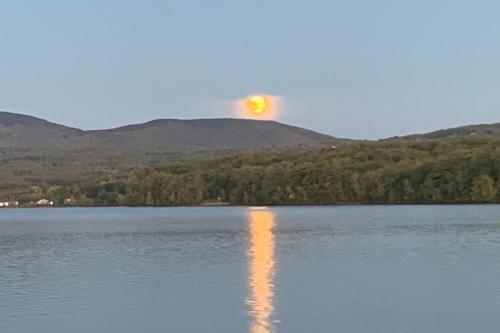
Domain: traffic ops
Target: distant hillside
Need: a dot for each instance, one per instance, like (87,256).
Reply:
(470,130)
(229,157)
(22,131)
(208,134)
(34,151)
(398,172)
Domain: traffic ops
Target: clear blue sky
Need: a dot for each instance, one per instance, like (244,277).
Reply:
(361,69)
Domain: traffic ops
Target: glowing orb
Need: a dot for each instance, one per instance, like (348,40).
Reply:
(256,104)
(259,106)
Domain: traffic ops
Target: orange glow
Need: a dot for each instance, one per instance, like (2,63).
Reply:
(258,106)
(261,270)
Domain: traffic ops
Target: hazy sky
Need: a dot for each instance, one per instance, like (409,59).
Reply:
(361,69)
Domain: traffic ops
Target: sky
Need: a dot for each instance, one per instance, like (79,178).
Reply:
(357,69)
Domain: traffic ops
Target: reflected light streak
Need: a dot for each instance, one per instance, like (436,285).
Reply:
(261,270)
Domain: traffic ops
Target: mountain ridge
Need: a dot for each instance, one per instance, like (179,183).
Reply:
(465,130)
(23,131)
(36,152)
(11,119)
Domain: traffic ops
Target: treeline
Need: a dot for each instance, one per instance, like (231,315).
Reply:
(459,170)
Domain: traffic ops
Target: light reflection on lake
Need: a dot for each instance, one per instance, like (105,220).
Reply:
(261,270)
(234,269)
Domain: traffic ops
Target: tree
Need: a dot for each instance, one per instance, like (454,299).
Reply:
(36,193)
(483,189)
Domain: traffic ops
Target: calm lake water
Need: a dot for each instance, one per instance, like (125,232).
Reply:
(236,269)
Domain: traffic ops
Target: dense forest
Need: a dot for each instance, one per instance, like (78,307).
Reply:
(452,170)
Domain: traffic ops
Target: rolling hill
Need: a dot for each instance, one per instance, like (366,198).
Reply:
(462,131)
(172,135)
(34,151)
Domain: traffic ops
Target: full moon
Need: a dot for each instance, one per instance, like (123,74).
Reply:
(259,106)
(256,104)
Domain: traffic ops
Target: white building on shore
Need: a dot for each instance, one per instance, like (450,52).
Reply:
(9,203)
(44,202)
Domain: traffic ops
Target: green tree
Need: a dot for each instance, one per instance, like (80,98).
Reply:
(36,193)
(483,189)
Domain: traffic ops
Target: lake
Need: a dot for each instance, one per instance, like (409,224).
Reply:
(239,269)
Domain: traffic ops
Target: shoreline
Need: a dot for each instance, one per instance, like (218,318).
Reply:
(268,205)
